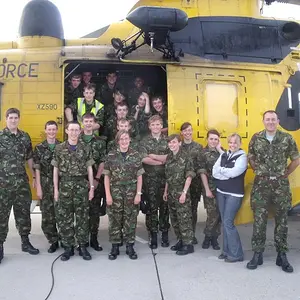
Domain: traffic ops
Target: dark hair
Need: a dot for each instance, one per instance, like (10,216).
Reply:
(157,98)
(112,71)
(121,91)
(12,111)
(185,125)
(123,120)
(213,131)
(89,115)
(76,76)
(173,137)
(72,122)
(269,112)
(51,122)
(90,86)
(122,104)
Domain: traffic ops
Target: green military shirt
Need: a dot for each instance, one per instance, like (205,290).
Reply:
(105,93)
(142,121)
(150,145)
(123,169)
(98,147)
(193,149)
(134,94)
(178,167)
(15,150)
(42,157)
(270,158)
(206,161)
(71,95)
(72,163)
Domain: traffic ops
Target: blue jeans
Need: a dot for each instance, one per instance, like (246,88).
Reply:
(229,206)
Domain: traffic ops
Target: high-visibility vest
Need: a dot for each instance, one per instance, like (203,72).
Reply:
(81,109)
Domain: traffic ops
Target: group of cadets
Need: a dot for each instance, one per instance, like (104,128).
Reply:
(117,148)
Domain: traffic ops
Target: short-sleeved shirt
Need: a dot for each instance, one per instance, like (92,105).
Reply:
(206,161)
(178,167)
(42,157)
(15,150)
(151,145)
(123,169)
(72,163)
(98,147)
(270,158)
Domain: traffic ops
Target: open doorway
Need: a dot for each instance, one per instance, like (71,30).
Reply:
(154,78)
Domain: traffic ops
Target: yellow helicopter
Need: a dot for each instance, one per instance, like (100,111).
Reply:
(219,62)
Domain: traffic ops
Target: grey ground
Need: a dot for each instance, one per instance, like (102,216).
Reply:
(197,276)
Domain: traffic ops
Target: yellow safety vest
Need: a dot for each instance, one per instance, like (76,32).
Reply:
(81,109)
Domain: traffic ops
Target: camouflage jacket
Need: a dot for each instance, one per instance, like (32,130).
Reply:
(72,163)
(142,121)
(98,147)
(150,145)
(15,150)
(194,150)
(134,94)
(42,157)
(270,159)
(71,95)
(105,94)
(206,161)
(178,167)
(123,170)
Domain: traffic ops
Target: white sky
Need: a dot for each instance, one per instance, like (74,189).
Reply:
(81,17)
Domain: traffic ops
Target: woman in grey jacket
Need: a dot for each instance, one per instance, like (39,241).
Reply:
(229,173)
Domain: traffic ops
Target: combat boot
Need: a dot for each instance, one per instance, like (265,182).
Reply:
(84,253)
(53,247)
(114,252)
(27,247)
(94,243)
(215,243)
(185,249)
(165,239)
(177,246)
(69,251)
(1,252)
(283,262)
(206,242)
(153,240)
(257,260)
(130,251)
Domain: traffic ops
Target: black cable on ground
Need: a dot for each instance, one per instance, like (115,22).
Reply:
(52,275)
(157,274)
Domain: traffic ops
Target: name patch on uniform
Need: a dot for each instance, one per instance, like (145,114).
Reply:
(19,70)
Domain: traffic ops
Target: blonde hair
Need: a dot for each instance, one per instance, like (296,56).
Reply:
(234,135)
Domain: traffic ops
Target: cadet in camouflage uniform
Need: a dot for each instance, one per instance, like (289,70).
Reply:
(137,90)
(141,113)
(123,184)
(111,130)
(193,150)
(268,153)
(98,147)
(72,163)
(179,173)
(109,88)
(154,150)
(160,109)
(123,124)
(73,90)
(15,151)
(207,159)
(42,157)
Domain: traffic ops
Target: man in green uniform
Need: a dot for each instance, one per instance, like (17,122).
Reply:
(109,88)
(72,163)
(73,90)
(268,153)
(154,150)
(160,109)
(98,148)
(137,90)
(42,157)
(15,151)
(193,150)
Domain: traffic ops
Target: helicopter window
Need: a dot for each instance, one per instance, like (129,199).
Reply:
(223,96)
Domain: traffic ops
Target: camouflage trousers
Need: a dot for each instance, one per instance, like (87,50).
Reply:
(213,220)
(277,194)
(122,214)
(195,190)
(15,192)
(73,211)
(181,215)
(48,209)
(159,211)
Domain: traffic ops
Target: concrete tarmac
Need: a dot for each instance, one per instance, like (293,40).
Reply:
(156,275)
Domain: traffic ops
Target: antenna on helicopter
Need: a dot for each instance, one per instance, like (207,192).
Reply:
(155,24)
